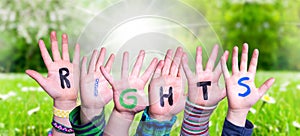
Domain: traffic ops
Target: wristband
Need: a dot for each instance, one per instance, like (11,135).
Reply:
(196,119)
(61,128)
(61,113)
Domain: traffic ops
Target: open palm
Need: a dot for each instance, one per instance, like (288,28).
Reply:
(65,90)
(241,91)
(209,78)
(167,80)
(95,90)
(128,93)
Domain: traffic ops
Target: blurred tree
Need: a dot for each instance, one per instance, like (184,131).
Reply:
(289,39)
(255,23)
(23,23)
(272,26)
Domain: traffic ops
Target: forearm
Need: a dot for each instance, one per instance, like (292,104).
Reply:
(196,119)
(151,126)
(87,114)
(95,126)
(62,117)
(230,129)
(120,122)
(237,117)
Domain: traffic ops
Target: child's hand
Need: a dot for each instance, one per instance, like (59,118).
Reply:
(95,91)
(128,93)
(207,79)
(62,82)
(241,91)
(166,90)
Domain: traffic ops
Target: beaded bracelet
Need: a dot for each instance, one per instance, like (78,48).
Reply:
(61,113)
(61,128)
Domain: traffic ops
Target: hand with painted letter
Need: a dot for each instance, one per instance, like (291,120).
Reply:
(95,91)
(203,86)
(62,82)
(166,89)
(128,93)
(241,91)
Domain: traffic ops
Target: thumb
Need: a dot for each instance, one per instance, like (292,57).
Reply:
(264,87)
(39,79)
(36,76)
(107,76)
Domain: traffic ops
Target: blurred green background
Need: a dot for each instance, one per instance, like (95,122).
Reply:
(272,26)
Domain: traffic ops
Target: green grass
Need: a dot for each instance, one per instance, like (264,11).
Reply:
(274,119)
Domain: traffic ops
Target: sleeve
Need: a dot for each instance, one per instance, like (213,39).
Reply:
(196,119)
(93,128)
(230,129)
(152,127)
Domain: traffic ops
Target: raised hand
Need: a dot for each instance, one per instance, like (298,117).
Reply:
(166,90)
(128,93)
(204,89)
(95,91)
(241,91)
(62,82)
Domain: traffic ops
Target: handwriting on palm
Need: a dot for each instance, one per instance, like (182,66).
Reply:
(94,88)
(214,93)
(167,75)
(234,89)
(132,81)
(52,84)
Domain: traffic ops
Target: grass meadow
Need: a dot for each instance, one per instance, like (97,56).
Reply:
(25,109)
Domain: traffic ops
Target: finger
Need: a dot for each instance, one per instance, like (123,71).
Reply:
(167,62)
(107,76)
(37,77)
(109,63)
(199,67)
(54,47)
(138,64)
(235,63)
(65,50)
(158,69)
(100,59)
(179,73)
(125,65)
(211,61)
(244,59)
(76,57)
(253,62)
(264,87)
(83,66)
(218,69)
(176,62)
(93,61)
(224,67)
(186,67)
(45,55)
(145,77)
(223,94)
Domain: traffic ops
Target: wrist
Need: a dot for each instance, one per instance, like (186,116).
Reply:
(160,117)
(64,105)
(90,111)
(87,113)
(126,115)
(237,116)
